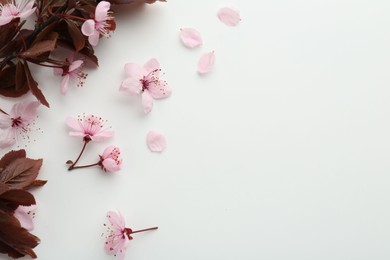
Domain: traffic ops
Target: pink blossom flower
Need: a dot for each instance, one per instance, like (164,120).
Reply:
(89,127)
(102,23)
(15,9)
(119,235)
(17,122)
(25,217)
(110,160)
(71,72)
(145,80)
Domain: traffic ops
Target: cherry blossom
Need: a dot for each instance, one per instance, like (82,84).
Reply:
(206,62)
(17,122)
(119,235)
(15,9)
(111,161)
(25,217)
(145,81)
(71,72)
(102,23)
(89,128)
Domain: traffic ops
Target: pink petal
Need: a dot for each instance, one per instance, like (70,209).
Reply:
(94,38)
(27,10)
(156,141)
(8,138)
(74,124)
(27,110)
(110,165)
(134,71)
(117,245)
(152,65)
(102,136)
(25,219)
(206,62)
(159,91)
(116,219)
(75,65)
(5,20)
(108,151)
(229,16)
(64,84)
(147,102)
(5,121)
(190,37)
(130,87)
(101,11)
(58,71)
(88,27)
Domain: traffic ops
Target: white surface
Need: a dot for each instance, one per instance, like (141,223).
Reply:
(282,152)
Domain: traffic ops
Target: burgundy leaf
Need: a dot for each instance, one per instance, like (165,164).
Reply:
(15,240)
(39,48)
(35,184)
(11,156)
(33,86)
(3,188)
(12,199)
(20,173)
(20,76)
(76,35)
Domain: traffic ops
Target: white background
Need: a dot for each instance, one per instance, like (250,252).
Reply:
(282,152)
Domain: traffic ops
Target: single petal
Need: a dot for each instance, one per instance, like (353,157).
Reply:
(134,70)
(7,138)
(58,71)
(25,219)
(64,84)
(147,102)
(108,151)
(26,110)
(130,87)
(206,62)
(94,38)
(116,244)
(88,27)
(101,11)
(116,219)
(5,121)
(190,37)
(152,65)
(110,165)
(160,90)
(27,10)
(102,136)
(156,141)
(229,16)
(75,65)
(74,124)
(5,20)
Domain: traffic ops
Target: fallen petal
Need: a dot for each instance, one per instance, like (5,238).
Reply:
(156,141)
(190,37)
(206,62)
(229,16)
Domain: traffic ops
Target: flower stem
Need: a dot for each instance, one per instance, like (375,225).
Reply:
(84,166)
(78,158)
(143,230)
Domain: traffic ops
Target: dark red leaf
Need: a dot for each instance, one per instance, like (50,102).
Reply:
(15,240)
(12,199)
(20,77)
(76,35)
(20,173)
(39,48)
(7,83)
(35,184)
(33,86)
(3,188)
(11,156)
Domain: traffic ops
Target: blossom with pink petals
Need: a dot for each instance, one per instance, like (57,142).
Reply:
(24,215)
(146,81)
(71,72)
(102,23)
(89,128)
(17,122)
(110,160)
(15,9)
(119,235)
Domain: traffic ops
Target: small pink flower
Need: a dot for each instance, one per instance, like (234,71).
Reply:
(110,160)
(25,217)
(89,127)
(17,122)
(71,72)
(145,80)
(15,9)
(102,23)
(119,235)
